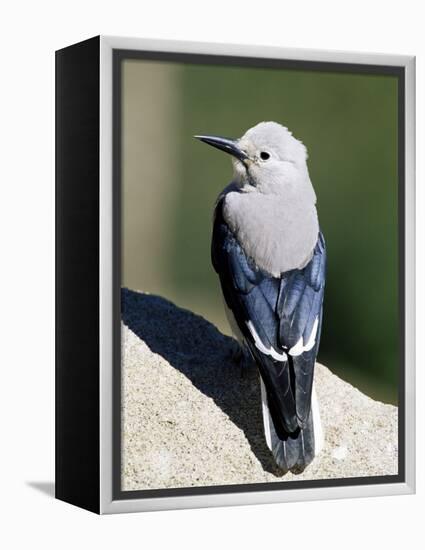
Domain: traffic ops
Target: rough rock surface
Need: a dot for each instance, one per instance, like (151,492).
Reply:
(190,418)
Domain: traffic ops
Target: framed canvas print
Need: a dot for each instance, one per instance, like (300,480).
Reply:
(234,274)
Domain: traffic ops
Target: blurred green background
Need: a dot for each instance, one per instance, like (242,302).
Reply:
(170,183)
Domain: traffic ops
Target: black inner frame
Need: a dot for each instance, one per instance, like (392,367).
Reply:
(118,57)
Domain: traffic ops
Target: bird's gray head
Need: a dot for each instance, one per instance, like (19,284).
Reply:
(267,159)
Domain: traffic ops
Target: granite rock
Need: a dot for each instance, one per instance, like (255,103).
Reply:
(192,417)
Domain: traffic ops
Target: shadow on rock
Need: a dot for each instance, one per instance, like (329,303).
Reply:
(198,350)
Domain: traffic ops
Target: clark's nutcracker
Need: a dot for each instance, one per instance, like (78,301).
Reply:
(269,253)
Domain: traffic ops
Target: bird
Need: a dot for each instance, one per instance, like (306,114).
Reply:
(270,256)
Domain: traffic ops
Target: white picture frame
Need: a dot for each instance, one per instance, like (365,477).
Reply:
(105,495)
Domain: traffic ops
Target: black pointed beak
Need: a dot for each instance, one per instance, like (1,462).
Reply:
(225,144)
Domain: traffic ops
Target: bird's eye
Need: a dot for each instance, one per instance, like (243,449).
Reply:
(264,155)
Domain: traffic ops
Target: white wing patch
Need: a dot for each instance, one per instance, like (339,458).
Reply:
(259,345)
(299,347)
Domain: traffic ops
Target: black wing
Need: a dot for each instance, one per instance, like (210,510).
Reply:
(281,311)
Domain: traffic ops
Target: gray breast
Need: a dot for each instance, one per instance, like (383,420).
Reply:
(278,235)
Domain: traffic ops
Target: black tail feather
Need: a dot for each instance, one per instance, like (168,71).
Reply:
(292,451)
